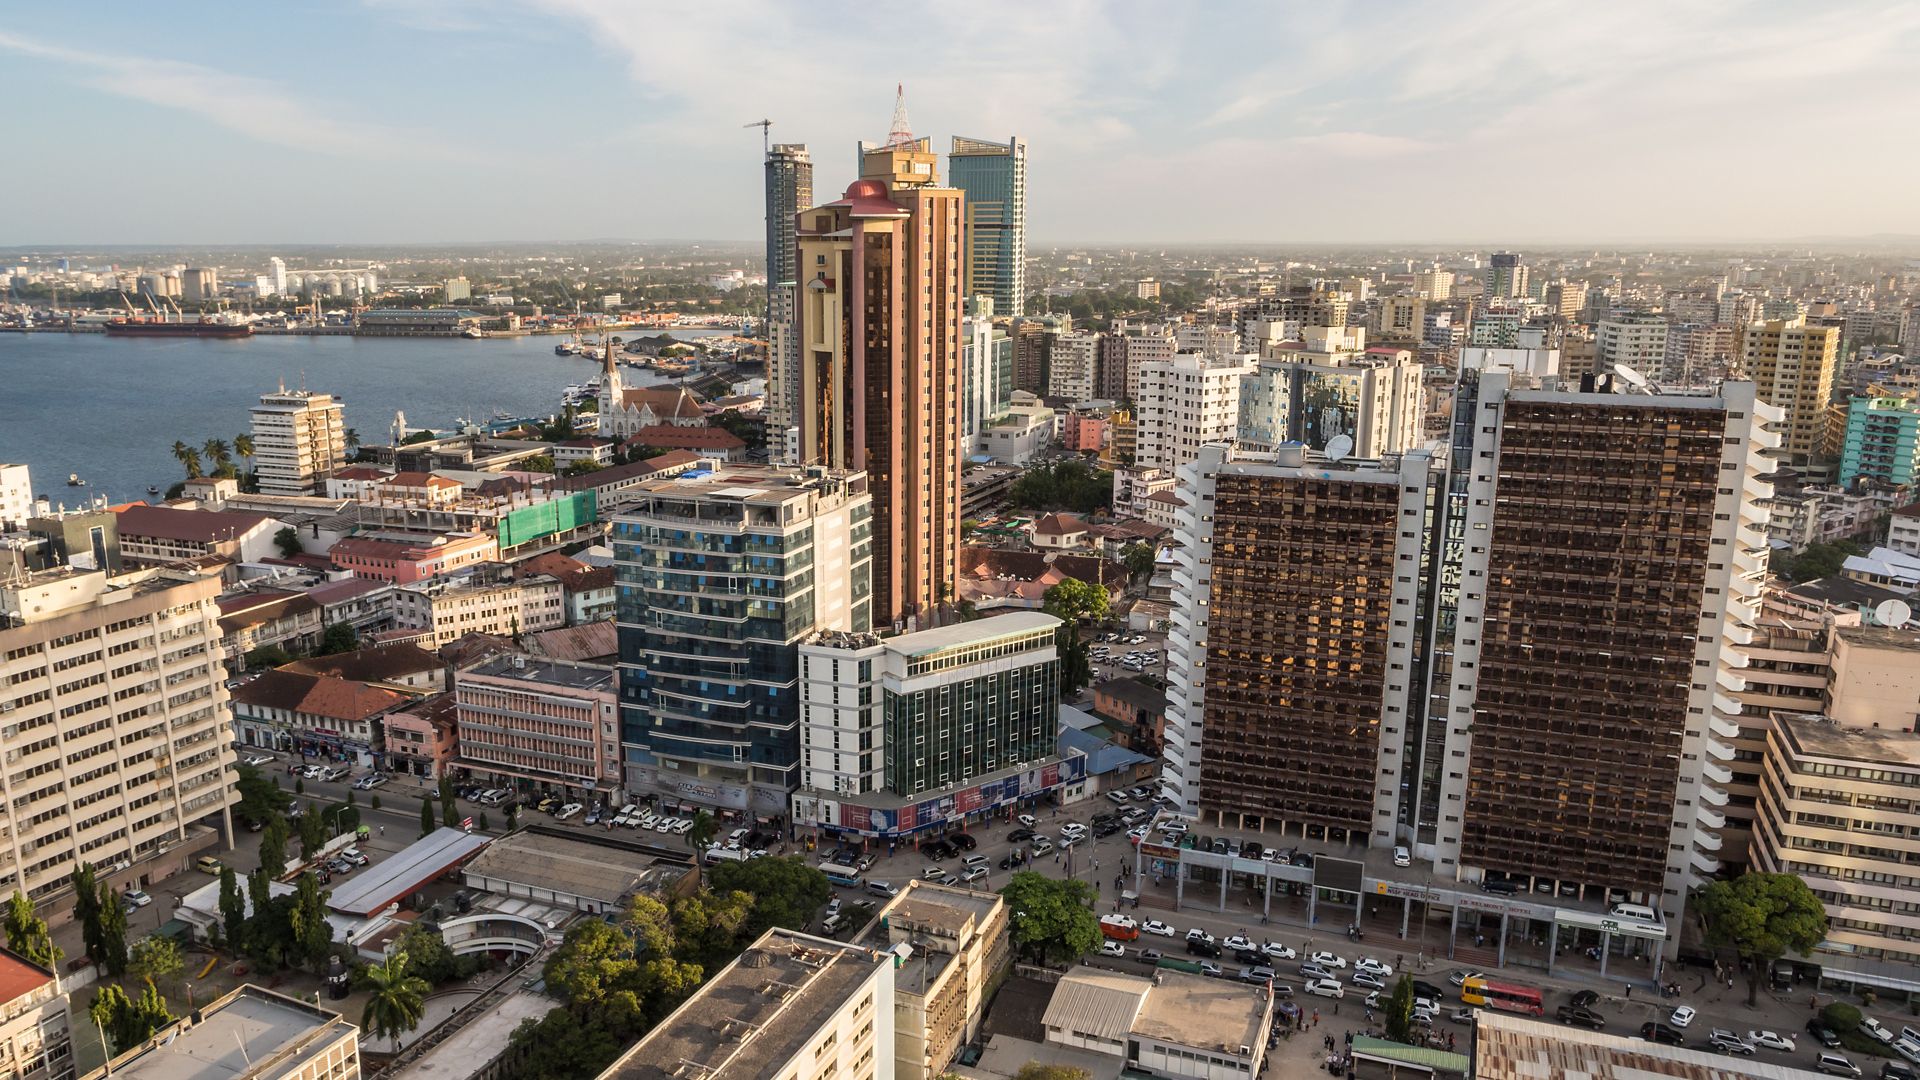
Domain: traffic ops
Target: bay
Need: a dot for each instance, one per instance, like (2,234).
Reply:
(110,409)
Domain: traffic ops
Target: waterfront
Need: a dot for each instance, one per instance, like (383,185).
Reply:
(110,409)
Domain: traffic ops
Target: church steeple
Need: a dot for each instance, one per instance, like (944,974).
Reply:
(610,390)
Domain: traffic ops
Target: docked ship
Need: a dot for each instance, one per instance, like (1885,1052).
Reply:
(156,327)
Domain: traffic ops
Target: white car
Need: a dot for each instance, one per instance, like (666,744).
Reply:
(1238,943)
(1158,928)
(1328,960)
(665,824)
(1278,951)
(258,760)
(1328,988)
(1025,820)
(1876,1029)
(569,810)
(973,874)
(1197,934)
(1373,967)
(1770,1040)
(1112,948)
(1362,978)
(1682,1016)
(682,826)
(1402,857)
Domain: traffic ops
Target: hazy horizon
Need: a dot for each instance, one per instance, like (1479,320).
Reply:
(422,122)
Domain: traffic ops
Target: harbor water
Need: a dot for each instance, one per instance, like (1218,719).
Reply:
(110,409)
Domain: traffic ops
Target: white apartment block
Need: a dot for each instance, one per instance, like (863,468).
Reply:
(16,496)
(299,437)
(1637,339)
(1145,345)
(1903,530)
(1184,404)
(1070,365)
(36,1028)
(113,710)
(1376,401)
(480,603)
(791,1006)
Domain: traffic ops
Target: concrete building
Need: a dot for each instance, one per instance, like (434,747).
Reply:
(993,177)
(789,190)
(16,496)
(1875,678)
(880,343)
(1399,319)
(1507,276)
(955,948)
(36,1036)
(1882,442)
(315,714)
(158,535)
(116,724)
(1071,363)
(422,737)
(1174,1025)
(457,288)
(1434,284)
(1903,529)
(722,575)
(791,1005)
(402,558)
(249,1034)
(1792,365)
(968,711)
(299,437)
(1375,400)
(1635,339)
(1184,404)
(987,357)
(483,600)
(534,724)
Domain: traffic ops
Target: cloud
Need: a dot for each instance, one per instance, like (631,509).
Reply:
(1361,145)
(256,108)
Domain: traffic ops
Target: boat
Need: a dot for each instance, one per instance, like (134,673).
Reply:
(566,348)
(203,328)
(151,490)
(73,480)
(473,332)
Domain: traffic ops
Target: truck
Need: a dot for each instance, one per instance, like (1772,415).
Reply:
(1120,927)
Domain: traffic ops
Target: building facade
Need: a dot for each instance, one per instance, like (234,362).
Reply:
(789,184)
(299,437)
(115,718)
(1882,442)
(960,948)
(36,1030)
(993,177)
(721,575)
(252,1032)
(1184,404)
(880,302)
(1792,364)
(536,724)
(1634,339)
(481,601)
(1375,401)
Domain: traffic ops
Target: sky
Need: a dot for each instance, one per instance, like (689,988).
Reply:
(401,121)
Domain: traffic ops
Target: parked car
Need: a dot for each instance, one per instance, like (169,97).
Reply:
(1327,988)
(1836,1065)
(1584,999)
(1461,1015)
(1402,857)
(1876,1029)
(1197,934)
(569,810)
(1654,1031)
(1823,1034)
(1277,951)
(1156,927)
(973,874)
(1681,1016)
(1198,947)
(1109,947)
(1728,1043)
(1025,820)
(135,898)
(1375,967)
(1329,961)
(1255,974)
(1239,943)
(1368,979)
(1897,1070)
(1770,1040)
(1150,956)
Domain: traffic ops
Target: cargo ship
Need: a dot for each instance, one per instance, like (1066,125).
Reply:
(212,328)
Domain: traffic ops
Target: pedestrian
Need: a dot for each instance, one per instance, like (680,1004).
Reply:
(1629,991)
(1316,1018)
(383,830)
(1336,1008)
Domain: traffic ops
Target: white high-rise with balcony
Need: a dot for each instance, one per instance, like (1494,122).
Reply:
(299,439)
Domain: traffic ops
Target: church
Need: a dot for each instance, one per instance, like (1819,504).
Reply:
(626,411)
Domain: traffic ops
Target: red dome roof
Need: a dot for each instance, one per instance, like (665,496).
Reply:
(866,189)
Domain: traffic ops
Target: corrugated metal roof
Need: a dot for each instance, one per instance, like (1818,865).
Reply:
(1101,1004)
(394,878)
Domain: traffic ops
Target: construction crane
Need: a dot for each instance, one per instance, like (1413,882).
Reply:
(766,135)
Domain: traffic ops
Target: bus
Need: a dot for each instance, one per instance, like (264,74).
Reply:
(841,875)
(1120,927)
(1506,997)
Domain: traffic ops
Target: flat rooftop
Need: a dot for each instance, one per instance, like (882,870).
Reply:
(539,669)
(251,1032)
(968,633)
(1824,738)
(926,908)
(18,978)
(608,869)
(754,1016)
(1879,637)
(762,484)
(1510,1047)
(1203,1012)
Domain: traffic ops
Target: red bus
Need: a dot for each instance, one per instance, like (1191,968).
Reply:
(1120,927)
(1506,997)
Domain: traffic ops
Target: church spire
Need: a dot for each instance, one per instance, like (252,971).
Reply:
(610,391)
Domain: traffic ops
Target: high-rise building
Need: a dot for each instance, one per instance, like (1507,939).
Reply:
(299,439)
(1071,364)
(987,355)
(880,311)
(1375,400)
(456,288)
(1184,404)
(1634,339)
(1032,343)
(1434,284)
(16,496)
(1506,276)
(993,177)
(117,728)
(1882,442)
(1791,364)
(1399,318)
(723,574)
(789,184)
(277,273)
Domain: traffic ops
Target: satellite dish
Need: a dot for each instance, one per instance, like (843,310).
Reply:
(1339,447)
(1892,613)
(1630,375)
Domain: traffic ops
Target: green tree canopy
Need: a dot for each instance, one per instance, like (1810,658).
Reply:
(273,845)
(288,541)
(1052,920)
(785,889)
(1034,1070)
(113,931)
(397,999)
(338,638)
(233,907)
(1063,485)
(701,834)
(1138,559)
(1762,916)
(155,957)
(1400,1011)
(312,935)
(260,798)
(27,933)
(426,815)
(86,909)
(1073,600)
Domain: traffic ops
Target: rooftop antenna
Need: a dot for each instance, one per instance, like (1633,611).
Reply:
(900,133)
(766,135)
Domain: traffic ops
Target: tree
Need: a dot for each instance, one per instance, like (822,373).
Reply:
(1819,560)
(1071,601)
(260,796)
(312,937)
(538,463)
(1034,1070)
(426,815)
(1052,920)
(701,833)
(785,890)
(273,844)
(233,906)
(27,933)
(268,656)
(482,823)
(513,816)
(429,957)
(1841,1017)
(126,1022)
(112,954)
(216,451)
(243,446)
(398,1000)
(595,959)
(188,457)
(352,439)
(155,957)
(288,541)
(1400,1011)
(1761,916)
(450,815)
(1138,559)
(86,909)
(338,638)
(1063,485)
(564,1045)
(313,831)
(582,468)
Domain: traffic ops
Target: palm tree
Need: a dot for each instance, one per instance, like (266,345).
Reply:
(398,1000)
(189,457)
(243,446)
(352,440)
(217,451)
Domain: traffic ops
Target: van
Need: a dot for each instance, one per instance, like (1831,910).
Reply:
(1499,888)
(830,924)
(881,888)
(972,861)
(1836,1065)
(207,864)
(1638,912)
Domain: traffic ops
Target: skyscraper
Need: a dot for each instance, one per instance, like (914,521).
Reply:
(1506,276)
(994,177)
(299,438)
(879,343)
(1791,363)
(789,190)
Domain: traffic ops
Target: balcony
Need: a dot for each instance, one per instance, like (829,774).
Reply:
(1744,586)
(1704,862)
(1731,681)
(1716,774)
(1726,706)
(1723,727)
(1706,841)
(1711,819)
(1742,611)
(1719,750)
(1738,634)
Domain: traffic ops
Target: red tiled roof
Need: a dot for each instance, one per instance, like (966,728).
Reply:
(421,479)
(667,402)
(671,459)
(551,562)
(360,472)
(193,526)
(318,695)
(381,663)
(1059,525)
(687,438)
(19,978)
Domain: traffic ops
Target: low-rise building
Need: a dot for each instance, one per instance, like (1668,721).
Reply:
(955,947)
(1138,711)
(1059,532)
(1018,435)
(249,1034)
(314,714)
(1174,1025)
(485,601)
(157,535)
(36,1034)
(537,724)
(403,559)
(256,620)
(1903,529)
(423,737)
(791,1005)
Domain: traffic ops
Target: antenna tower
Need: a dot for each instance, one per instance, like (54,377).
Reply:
(901,132)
